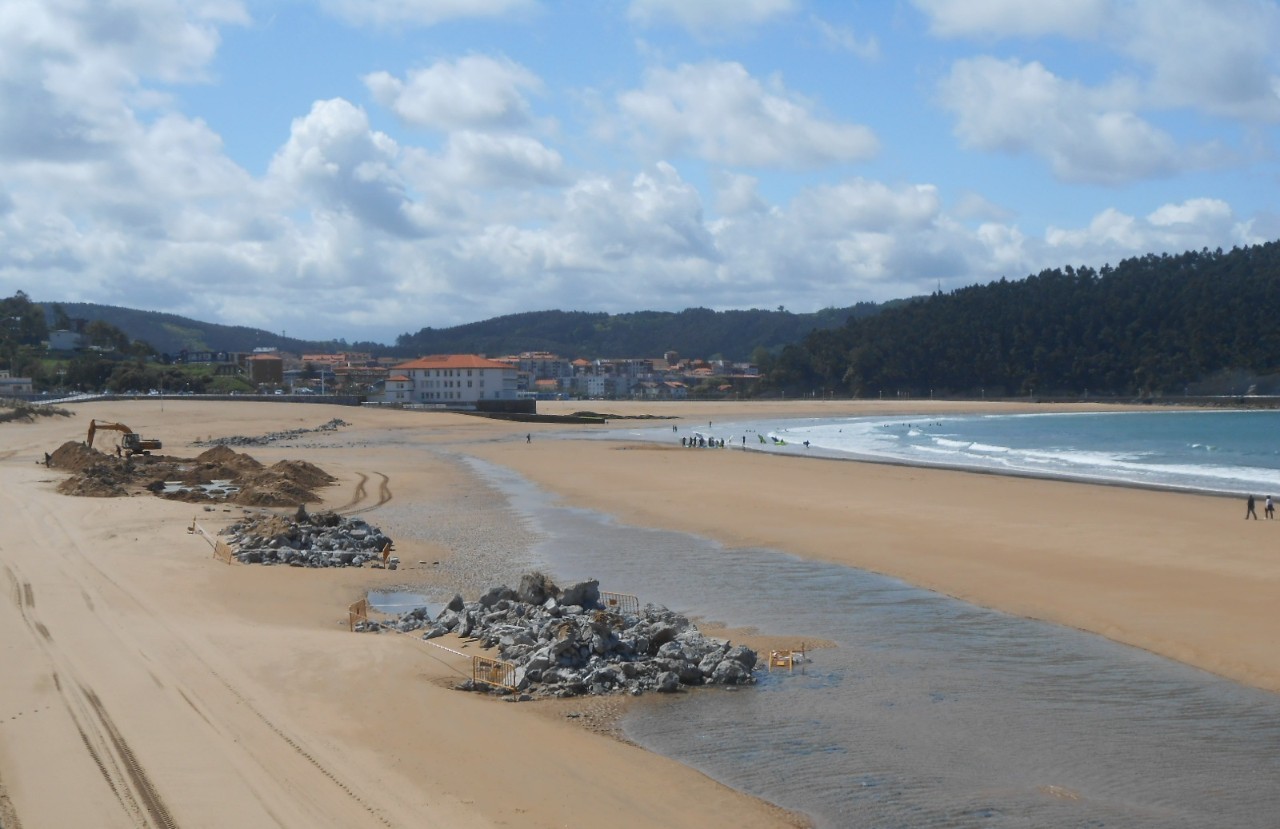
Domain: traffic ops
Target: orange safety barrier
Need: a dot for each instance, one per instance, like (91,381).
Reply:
(357,612)
(787,658)
(623,603)
(221,550)
(493,672)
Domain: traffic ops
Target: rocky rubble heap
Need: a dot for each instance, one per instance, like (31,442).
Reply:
(263,440)
(325,539)
(564,644)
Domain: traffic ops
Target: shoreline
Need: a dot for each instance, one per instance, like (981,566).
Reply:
(242,695)
(814,453)
(1169,566)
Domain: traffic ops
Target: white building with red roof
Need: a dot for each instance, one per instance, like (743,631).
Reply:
(452,380)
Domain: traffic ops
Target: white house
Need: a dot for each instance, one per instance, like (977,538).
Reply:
(398,388)
(10,386)
(453,380)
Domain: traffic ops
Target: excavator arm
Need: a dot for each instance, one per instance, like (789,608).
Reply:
(101,425)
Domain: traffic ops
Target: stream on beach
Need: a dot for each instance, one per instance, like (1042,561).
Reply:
(930,712)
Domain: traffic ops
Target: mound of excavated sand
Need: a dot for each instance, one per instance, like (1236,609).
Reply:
(274,491)
(286,484)
(75,456)
(303,473)
(227,457)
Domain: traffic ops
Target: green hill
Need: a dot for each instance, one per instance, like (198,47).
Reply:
(1199,322)
(696,332)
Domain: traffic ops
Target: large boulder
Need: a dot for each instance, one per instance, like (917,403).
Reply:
(582,594)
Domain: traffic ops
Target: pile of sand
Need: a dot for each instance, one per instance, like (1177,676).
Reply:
(287,483)
(75,456)
(303,472)
(269,490)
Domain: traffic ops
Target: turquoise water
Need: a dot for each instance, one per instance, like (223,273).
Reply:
(1236,452)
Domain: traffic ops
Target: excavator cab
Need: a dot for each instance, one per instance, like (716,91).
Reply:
(131,443)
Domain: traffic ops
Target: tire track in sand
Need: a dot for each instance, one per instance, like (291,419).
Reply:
(384,495)
(111,753)
(124,775)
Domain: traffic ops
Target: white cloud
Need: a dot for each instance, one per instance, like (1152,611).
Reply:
(474,92)
(70,72)
(974,206)
(720,113)
(847,40)
(737,193)
(340,164)
(1218,57)
(422,12)
(1085,134)
(111,188)
(706,16)
(1113,235)
(1192,212)
(1004,18)
(657,214)
(866,206)
(506,161)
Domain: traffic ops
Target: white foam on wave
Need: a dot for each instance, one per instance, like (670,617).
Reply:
(945,446)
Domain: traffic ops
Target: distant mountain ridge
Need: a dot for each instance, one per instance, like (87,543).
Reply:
(694,332)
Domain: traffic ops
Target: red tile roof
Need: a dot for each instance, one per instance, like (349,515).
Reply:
(453,361)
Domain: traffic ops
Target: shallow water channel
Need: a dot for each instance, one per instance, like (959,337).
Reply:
(930,712)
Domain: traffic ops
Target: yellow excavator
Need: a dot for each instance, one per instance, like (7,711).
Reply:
(131,443)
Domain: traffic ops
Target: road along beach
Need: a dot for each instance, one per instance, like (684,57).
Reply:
(163,688)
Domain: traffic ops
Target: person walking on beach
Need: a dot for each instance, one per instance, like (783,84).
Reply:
(1249,511)
(528,438)
(1269,509)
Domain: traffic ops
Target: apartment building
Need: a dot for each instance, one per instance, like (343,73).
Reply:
(454,380)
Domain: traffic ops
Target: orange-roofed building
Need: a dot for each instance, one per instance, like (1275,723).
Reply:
(265,369)
(397,388)
(453,380)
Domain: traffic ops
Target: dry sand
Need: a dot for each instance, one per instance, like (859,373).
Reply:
(145,684)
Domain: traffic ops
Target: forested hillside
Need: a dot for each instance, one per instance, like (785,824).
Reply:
(170,333)
(694,332)
(1149,326)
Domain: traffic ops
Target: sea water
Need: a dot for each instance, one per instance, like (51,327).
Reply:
(1236,452)
(928,712)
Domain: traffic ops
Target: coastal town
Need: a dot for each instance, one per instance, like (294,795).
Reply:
(446,380)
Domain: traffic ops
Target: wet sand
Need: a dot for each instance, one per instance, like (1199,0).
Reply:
(146,684)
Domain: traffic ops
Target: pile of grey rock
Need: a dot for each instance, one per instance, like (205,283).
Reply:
(564,644)
(262,440)
(325,539)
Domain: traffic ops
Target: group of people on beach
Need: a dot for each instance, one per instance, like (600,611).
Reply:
(1268,509)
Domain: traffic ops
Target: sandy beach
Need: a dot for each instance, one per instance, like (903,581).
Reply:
(147,684)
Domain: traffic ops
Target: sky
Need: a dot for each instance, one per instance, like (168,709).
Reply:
(362,169)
